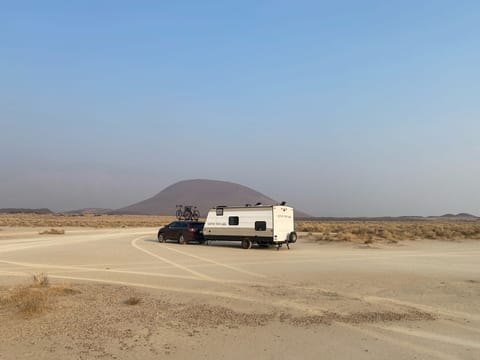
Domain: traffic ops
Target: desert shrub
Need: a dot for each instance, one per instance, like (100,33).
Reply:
(40,280)
(36,297)
(132,300)
(392,231)
(346,236)
(52,232)
(29,300)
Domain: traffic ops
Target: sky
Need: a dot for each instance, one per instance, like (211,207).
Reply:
(341,108)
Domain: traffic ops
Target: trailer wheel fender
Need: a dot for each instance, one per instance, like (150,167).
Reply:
(292,237)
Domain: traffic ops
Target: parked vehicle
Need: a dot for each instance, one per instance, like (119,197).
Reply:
(262,225)
(182,231)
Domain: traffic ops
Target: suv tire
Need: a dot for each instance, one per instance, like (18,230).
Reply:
(181,240)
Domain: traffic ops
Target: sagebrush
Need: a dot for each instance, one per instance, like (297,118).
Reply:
(390,230)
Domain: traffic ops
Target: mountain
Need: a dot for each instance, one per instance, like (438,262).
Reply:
(461,216)
(25,211)
(202,193)
(89,211)
(446,217)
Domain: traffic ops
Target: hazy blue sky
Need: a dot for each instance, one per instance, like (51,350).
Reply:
(342,108)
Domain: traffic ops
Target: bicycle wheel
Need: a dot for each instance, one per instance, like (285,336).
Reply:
(196,215)
(178,214)
(187,214)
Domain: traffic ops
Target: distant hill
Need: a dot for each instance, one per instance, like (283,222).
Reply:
(461,216)
(89,211)
(25,211)
(451,217)
(204,194)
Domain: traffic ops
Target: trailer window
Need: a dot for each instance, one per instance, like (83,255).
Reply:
(219,211)
(233,220)
(260,226)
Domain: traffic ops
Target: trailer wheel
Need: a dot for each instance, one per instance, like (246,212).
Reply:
(181,240)
(292,237)
(161,239)
(246,244)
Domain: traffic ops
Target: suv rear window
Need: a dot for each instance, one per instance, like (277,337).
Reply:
(198,225)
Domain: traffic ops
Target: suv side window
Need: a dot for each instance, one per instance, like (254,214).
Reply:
(183,225)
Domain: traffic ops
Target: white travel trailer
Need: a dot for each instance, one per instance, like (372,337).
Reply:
(263,225)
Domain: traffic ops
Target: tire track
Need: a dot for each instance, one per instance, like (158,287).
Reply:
(55,241)
(430,336)
(89,269)
(179,266)
(455,314)
(231,267)
(281,282)
(400,343)
(461,326)
(255,299)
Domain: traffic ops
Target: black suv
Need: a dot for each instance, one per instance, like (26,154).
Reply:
(182,231)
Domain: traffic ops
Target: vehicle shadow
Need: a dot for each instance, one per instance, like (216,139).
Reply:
(220,244)
(171,242)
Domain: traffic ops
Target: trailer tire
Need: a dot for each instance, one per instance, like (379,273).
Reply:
(246,244)
(292,237)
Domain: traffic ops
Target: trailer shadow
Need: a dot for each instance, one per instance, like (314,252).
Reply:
(236,245)
(220,244)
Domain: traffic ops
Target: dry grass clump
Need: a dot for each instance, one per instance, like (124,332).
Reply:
(40,280)
(132,300)
(393,231)
(96,221)
(52,232)
(29,300)
(35,298)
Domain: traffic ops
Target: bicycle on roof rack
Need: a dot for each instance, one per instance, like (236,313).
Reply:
(187,212)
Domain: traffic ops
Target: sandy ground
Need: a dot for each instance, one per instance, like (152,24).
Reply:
(411,300)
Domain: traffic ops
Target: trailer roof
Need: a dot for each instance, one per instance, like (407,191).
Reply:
(247,207)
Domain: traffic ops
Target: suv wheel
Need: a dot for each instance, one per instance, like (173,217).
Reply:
(161,238)
(181,240)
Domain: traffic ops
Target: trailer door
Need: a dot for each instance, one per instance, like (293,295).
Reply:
(283,223)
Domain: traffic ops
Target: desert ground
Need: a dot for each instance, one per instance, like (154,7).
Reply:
(116,293)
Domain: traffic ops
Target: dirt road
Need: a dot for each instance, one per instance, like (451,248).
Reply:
(318,300)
